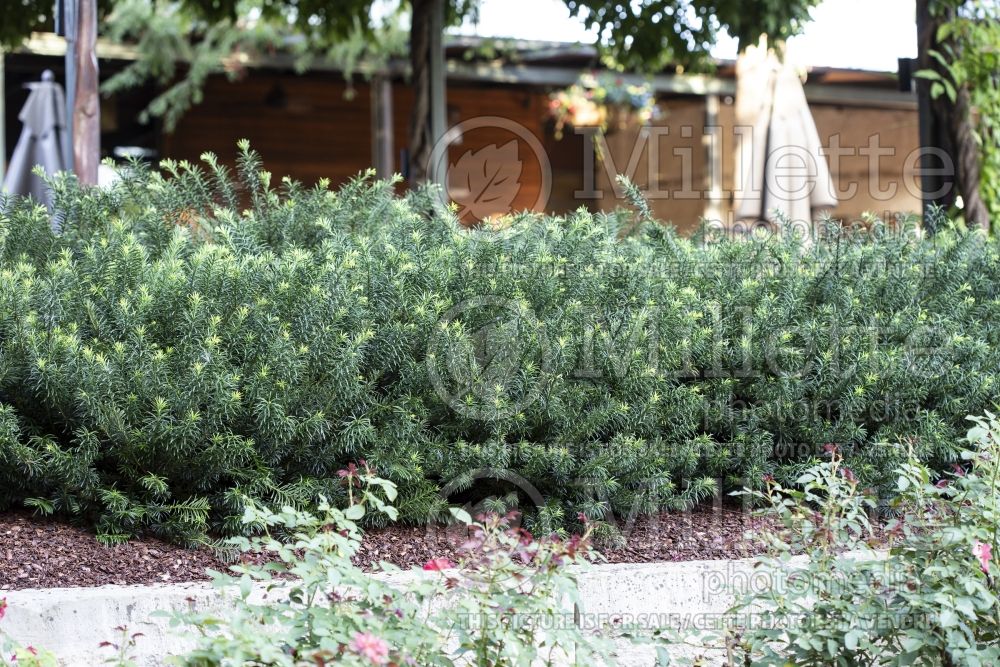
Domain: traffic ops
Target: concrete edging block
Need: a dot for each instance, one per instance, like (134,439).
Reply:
(71,622)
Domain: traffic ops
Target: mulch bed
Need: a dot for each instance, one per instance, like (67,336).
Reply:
(702,534)
(47,553)
(44,553)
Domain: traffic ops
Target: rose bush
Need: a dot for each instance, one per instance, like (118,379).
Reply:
(924,592)
(509,601)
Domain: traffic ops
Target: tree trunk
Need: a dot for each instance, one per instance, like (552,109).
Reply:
(425,40)
(949,127)
(967,157)
(86,102)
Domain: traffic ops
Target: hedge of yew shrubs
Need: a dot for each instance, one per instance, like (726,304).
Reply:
(192,338)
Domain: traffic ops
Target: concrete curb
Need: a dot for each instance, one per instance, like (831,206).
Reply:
(71,622)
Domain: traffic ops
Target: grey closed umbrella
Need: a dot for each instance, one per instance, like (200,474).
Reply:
(783,172)
(42,140)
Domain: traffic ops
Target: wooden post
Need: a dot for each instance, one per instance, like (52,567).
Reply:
(382,135)
(66,20)
(439,170)
(946,125)
(3,120)
(712,138)
(86,118)
(427,123)
(930,131)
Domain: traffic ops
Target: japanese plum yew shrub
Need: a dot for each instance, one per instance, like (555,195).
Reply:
(191,340)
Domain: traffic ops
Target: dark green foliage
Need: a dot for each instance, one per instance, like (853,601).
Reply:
(652,34)
(21,17)
(171,354)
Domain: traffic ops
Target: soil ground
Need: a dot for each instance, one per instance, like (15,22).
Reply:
(50,553)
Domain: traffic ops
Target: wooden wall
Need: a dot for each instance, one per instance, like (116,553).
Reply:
(309,127)
(889,186)
(852,128)
(521,110)
(675,181)
(304,127)
(892,186)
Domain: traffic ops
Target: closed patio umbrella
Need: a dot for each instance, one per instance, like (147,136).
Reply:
(41,142)
(782,172)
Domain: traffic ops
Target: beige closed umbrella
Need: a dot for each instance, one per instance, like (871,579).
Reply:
(42,140)
(781,170)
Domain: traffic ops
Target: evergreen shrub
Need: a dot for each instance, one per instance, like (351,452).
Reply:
(192,339)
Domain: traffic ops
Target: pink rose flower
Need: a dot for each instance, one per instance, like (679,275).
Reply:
(438,564)
(367,645)
(984,552)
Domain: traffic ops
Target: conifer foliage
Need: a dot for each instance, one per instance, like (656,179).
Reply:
(192,339)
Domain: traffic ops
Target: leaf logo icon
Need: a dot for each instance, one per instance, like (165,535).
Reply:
(485,182)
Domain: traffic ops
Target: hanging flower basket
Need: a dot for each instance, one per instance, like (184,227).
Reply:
(603,101)
(575,107)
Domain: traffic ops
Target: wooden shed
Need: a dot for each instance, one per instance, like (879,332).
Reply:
(317,125)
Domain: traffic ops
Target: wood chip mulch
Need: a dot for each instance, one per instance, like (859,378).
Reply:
(704,533)
(47,553)
(44,553)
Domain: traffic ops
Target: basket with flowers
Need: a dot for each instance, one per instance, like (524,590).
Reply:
(606,101)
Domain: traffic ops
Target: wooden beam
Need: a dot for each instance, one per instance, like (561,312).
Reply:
(677,84)
(689,84)
(859,96)
(50,44)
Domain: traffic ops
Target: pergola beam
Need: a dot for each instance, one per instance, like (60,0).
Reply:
(677,84)
(664,84)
